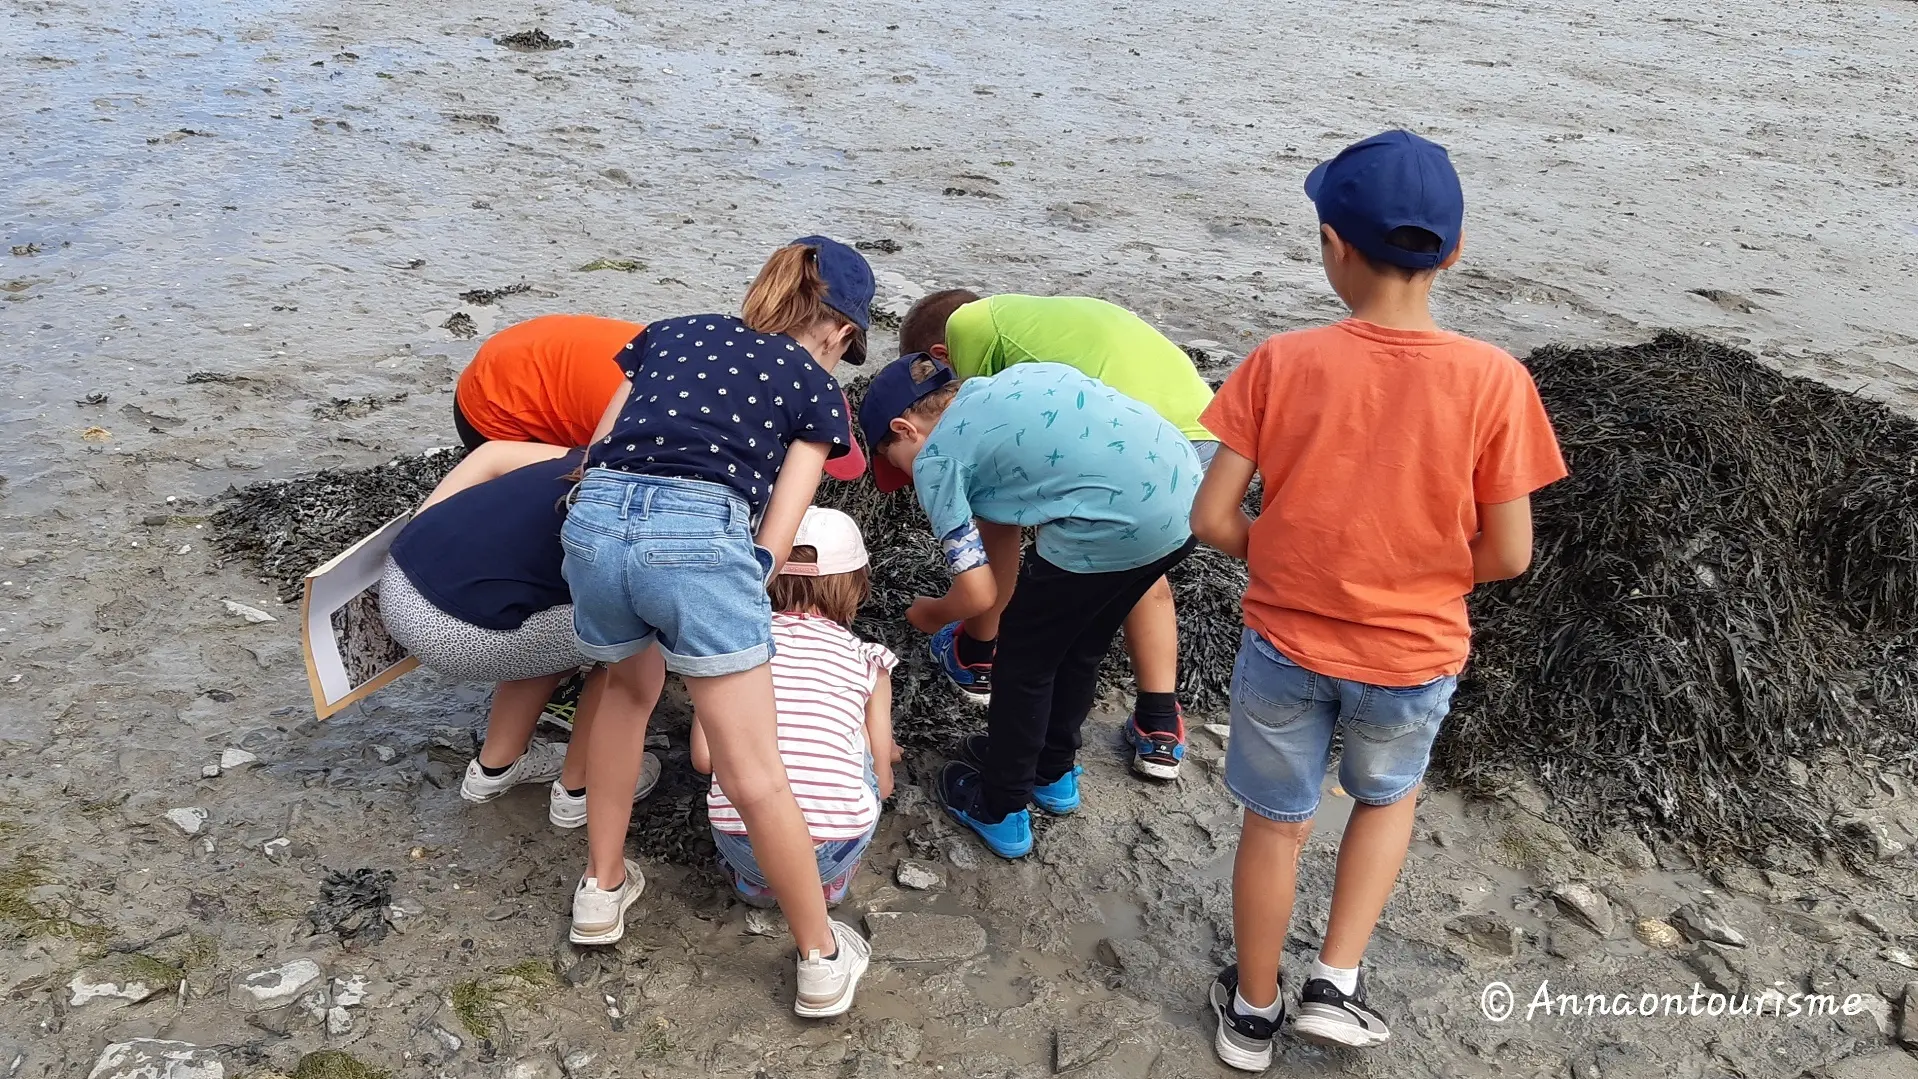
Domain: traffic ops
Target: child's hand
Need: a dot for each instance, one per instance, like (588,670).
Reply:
(882,771)
(897,754)
(925,615)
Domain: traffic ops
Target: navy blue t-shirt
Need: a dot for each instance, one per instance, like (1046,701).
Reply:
(490,555)
(717,401)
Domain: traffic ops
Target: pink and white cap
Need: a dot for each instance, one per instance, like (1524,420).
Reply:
(835,536)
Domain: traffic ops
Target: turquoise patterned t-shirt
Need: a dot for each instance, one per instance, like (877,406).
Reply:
(1106,481)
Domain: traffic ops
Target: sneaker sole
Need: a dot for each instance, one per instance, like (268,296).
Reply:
(610,936)
(982,700)
(1336,1032)
(987,843)
(1058,810)
(1230,1053)
(481,799)
(566,823)
(1153,769)
(840,1004)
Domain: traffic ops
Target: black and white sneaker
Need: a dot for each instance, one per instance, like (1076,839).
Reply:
(1244,1041)
(1327,1016)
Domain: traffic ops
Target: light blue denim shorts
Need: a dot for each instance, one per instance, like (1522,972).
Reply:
(658,560)
(1283,719)
(1207,449)
(836,857)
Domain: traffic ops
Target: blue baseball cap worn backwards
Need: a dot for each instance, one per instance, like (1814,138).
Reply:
(849,286)
(1387,182)
(891,392)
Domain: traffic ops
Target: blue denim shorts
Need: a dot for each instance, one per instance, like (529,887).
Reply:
(1207,449)
(1283,719)
(657,560)
(836,858)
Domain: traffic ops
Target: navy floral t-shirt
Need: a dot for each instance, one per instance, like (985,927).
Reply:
(717,401)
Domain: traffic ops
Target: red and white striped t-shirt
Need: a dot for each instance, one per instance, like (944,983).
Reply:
(822,679)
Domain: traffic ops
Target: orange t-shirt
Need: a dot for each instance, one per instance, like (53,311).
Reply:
(547,379)
(1375,447)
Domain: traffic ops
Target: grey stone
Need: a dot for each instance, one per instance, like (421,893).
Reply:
(1628,851)
(913,938)
(1871,922)
(210,771)
(1701,922)
(188,819)
(1872,831)
(916,875)
(1900,957)
(1585,903)
(1811,926)
(960,853)
(275,987)
(1908,1016)
(578,1064)
(539,1067)
(234,757)
(339,1021)
(1889,1064)
(350,992)
(252,615)
(1570,941)
(765,923)
(448,1040)
(385,753)
(147,1058)
(1121,953)
(91,985)
(1715,967)
(278,851)
(1488,931)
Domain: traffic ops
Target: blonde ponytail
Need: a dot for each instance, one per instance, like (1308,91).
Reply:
(788,296)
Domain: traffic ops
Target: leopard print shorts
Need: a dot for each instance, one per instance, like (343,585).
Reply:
(542,645)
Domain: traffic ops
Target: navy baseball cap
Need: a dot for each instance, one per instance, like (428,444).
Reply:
(849,287)
(1387,182)
(890,393)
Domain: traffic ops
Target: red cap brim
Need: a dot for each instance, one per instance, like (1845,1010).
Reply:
(849,466)
(888,477)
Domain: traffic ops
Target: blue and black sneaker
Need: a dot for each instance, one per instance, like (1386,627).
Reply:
(973,679)
(1156,754)
(1059,797)
(959,790)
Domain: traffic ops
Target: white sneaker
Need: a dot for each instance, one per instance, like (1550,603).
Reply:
(599,916)
(541,763)
(566,811)
(826,985)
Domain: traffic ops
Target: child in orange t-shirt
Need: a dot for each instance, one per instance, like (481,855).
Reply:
(549,379)
(1398,462)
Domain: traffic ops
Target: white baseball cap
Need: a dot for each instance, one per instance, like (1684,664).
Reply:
(835,536)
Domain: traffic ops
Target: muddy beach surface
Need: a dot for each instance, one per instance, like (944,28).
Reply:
(253,240)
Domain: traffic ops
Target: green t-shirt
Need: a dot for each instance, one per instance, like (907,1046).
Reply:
(1100,339)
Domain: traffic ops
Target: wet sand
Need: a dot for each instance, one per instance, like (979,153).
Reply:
(240,231)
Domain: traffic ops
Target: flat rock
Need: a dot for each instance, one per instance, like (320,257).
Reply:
(1487,931)
(1583,902)
(92,985)
(1122,953)
(1627,851)
(1889,1064)
(350,992)
(275,987)
(1908,1016)
(1705,923)
(188,819)
(917,876)
(147,1058)
(252,615)
(1715,968)
(339,1021)
(915,938)
(234,757)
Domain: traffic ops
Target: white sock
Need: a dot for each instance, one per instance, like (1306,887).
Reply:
(1345,978)
(1268,1012)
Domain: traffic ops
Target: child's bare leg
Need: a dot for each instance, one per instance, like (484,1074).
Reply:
(736,712)
(1370,857)
(1265,878)
(515,712)
(591,699)
(629,691)
(1152,640)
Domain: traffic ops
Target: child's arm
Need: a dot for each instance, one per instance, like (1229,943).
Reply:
(1218,511)
(491,460)
(879,731)
(1503,547)
(702,756)
(972,594)
(792,492)
(611,415)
